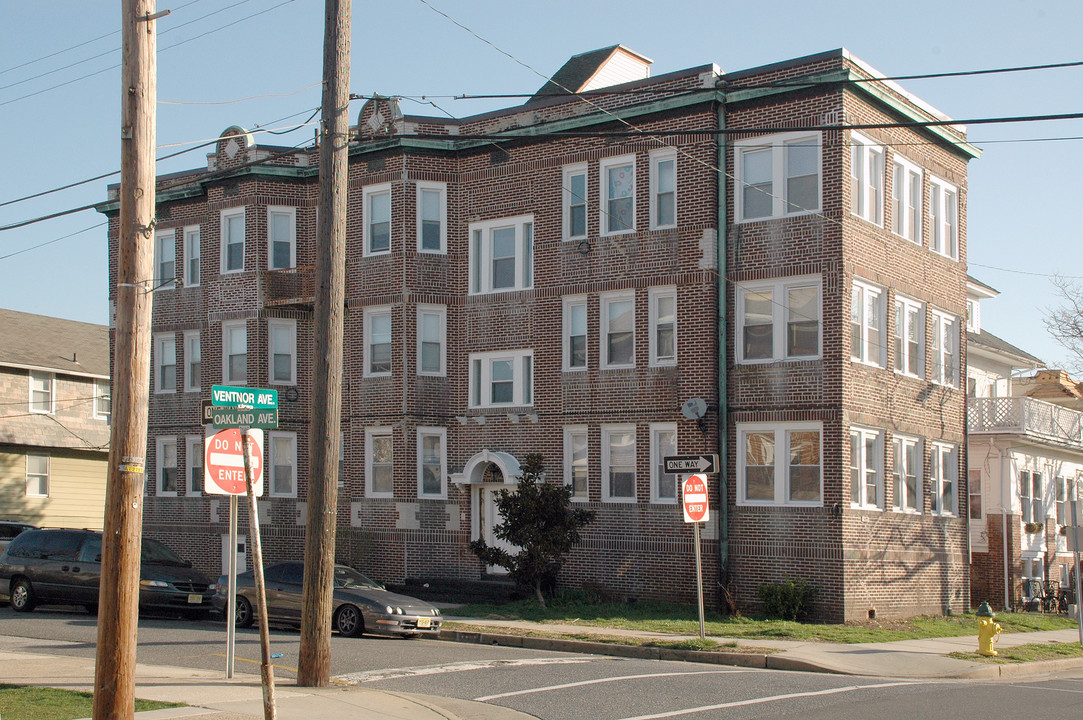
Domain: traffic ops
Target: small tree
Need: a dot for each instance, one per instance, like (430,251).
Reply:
(1065,322)
(539,520)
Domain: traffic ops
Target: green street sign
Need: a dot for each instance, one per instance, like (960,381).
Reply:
(256,398)
(231,417)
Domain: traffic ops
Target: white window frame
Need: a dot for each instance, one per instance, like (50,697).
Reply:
(907,211)
(1062,499)
(901,502)
(782,433)
(604,166)
(368,194)
(370,461)
(227,333)
(975,510)
(777,144)
(865,291)
(371,313)
(165,348)
(1031,496)
(522,380)
(657,158)
(165,251)
(423,432)
(908,313)
(440,313)
(944,218)
(160,466)
(193,253)
(226,216)
(867,178)
(50,383)
(973,315)
(103,399)
(571,434)
(273,438)
(441,189)
(941,360)
(39,478)
(569,198)
(943,460)
(608,431)
(605,301)
(482,254)
(658,454)
(290,326)
(193,451)
(290,213)
(780,317)
(862,465)
(572,305)
(655,296)
(192,340)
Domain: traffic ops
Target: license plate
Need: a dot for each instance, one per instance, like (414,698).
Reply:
(195,599)
(423,622)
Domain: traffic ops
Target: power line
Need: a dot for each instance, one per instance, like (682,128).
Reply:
(54,240)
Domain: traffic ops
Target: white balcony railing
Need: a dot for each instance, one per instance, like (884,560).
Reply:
(1025,416)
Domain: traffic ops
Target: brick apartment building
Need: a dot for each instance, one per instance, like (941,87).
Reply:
(564,277)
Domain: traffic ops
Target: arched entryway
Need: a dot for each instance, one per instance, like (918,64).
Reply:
(485,474)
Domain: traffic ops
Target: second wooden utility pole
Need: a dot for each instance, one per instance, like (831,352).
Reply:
(314,663)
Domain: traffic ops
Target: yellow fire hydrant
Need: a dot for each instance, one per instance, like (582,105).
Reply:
(988,630)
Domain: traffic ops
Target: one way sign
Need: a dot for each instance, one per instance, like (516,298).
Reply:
(690,463)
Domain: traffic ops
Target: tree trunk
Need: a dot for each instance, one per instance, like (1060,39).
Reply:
(538,593)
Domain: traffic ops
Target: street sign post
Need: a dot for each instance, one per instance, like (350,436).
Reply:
(694,503)
(691,464)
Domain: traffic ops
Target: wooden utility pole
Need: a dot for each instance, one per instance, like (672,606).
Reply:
(118,614)
(314,663)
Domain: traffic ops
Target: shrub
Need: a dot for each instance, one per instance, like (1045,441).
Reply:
(788,599)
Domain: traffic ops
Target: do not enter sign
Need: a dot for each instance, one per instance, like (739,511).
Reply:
(694,498)
(223,462)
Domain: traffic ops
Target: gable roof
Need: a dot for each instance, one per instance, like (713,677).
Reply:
(576,74)
(49,343)
(992,343)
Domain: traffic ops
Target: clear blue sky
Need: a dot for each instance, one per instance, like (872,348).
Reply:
(257,63)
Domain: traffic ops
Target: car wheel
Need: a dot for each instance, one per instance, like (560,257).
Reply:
(22,596)
(245,616)
(349,621)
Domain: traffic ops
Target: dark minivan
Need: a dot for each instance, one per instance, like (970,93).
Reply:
(63,567)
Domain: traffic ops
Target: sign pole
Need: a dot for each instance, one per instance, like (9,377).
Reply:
(266,669)
(699,581)
(696,510)
(231,602)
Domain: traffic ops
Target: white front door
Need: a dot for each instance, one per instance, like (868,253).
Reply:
(488,518)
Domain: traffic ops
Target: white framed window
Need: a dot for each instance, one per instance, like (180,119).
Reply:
(778,320)
(37,476)
(193,456)
(192,253)
(235,352)
(166,456)
(619,463)
(944,350)
(866,468)
(663,326)
(663,186)
(379,462)
(907,200)
(1030,496)
(618,330)
(432,462)
(1063,499)
(502,378)
(973,315)
(663,443)
(432,217)
(502,255)
(867,336)
(780,464)
(377,341)
(103,399)
(973,487)
(906,474)
(42,392)
(193,361)
(576,459)
(866,179)
(777,176)
(432,340)
(282,352)
(281,237)
(618,195)
(282,456)
(944,218)
(165,259)
(944,477)
(377,212)
(574,201)
(575,333)
(165,363)
(233,240)
(909,337)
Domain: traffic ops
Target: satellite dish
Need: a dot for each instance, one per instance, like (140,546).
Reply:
(694,409)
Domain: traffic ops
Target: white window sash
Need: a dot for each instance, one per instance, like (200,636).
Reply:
(281,454)
(663,188)
(574,201)
(281,341)
(574,328)
(576,438)
(776,185)
(663,326)
(42,384)
(484,253)
(867,179)
(861,466)
(425,191)
(905,500)
(613,339)
(165,259)
(276,215)
(432,330)
(193,459)
(233,240)
(38,477)
(609,464)
(663,484)
(377,210)
(165,363)
(165,461)
(372,437)
(909,326)
(192,256)
(193,361)
(782,316)
(234,339)
(426,460)
(783,487)
(384,315)
(617,214)
(864,299)
(483,378)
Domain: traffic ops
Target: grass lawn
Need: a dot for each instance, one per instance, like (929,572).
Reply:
(24,702)
(684,620)
(1027,653)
